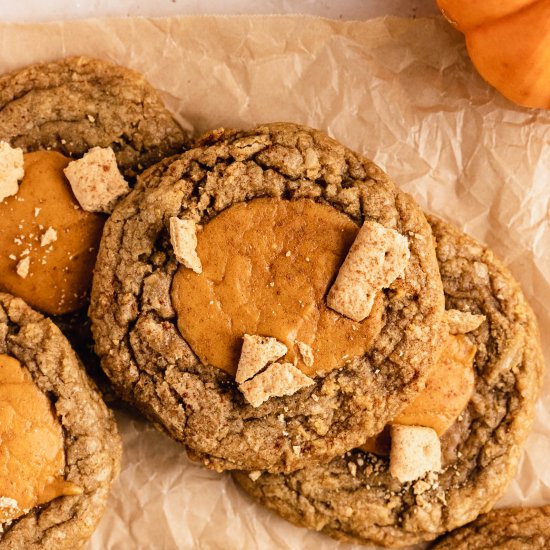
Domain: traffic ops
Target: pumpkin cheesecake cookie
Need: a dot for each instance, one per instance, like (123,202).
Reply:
(505,529)
(60,449)
(267,297)
(453,451)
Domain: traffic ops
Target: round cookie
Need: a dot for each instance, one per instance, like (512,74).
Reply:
(355,498)
(90,440)
(135,326)
(505,529)
(78,103)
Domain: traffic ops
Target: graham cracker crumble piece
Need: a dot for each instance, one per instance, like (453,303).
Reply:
(306,352)
(256,353)
(183,236)
(22,268)
(415,450)
(11,169)
(96,180)
(376,258)
(48,237)
(461,322)
(277,380)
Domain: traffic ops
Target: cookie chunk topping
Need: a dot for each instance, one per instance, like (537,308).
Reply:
(96,181)
(461,322)
(11,170)
(48,243)
(415,451)
(183,236)
(266,268)
(277,380)
(32,461)
(376,258)
(256,353)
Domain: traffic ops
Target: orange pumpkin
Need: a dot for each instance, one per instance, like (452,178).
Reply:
(509,43)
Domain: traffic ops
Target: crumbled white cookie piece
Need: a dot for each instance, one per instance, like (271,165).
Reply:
(255,475)
(376,258)
(11,169)
(48,237)
(256,353)
(277,380)
(183,236)
(306,352)
(96,180)
(22,268)
(461,322)
(415,450)
(7,502)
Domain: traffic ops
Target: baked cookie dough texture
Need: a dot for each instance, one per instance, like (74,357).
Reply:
(91,441)
(150,364)
(355,498)
(505,529)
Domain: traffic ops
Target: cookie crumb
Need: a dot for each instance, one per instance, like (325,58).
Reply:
(22,268)
(183,236)
(296,449)
(255,475)
(461,322)
(277,380)
(376,258)
(96,180)
(11,169)
(8,503)
(36,212)
(306,352)
(415,451)
(256,353)
(48,237)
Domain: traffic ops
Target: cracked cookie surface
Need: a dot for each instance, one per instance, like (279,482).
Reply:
(78,103)
(91,442)
(355,498)
(152,366)
(505,529)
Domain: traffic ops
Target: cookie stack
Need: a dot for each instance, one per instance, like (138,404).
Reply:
(271,300)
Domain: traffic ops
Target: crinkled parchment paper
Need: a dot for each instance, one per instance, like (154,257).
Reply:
(404,93)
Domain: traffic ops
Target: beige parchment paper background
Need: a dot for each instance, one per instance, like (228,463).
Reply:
(402,92)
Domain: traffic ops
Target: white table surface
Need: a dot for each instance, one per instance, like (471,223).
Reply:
(40,10)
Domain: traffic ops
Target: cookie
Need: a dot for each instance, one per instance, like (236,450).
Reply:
(273,213)
(355,497)
(40,372)
(509,528)
(78,103)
